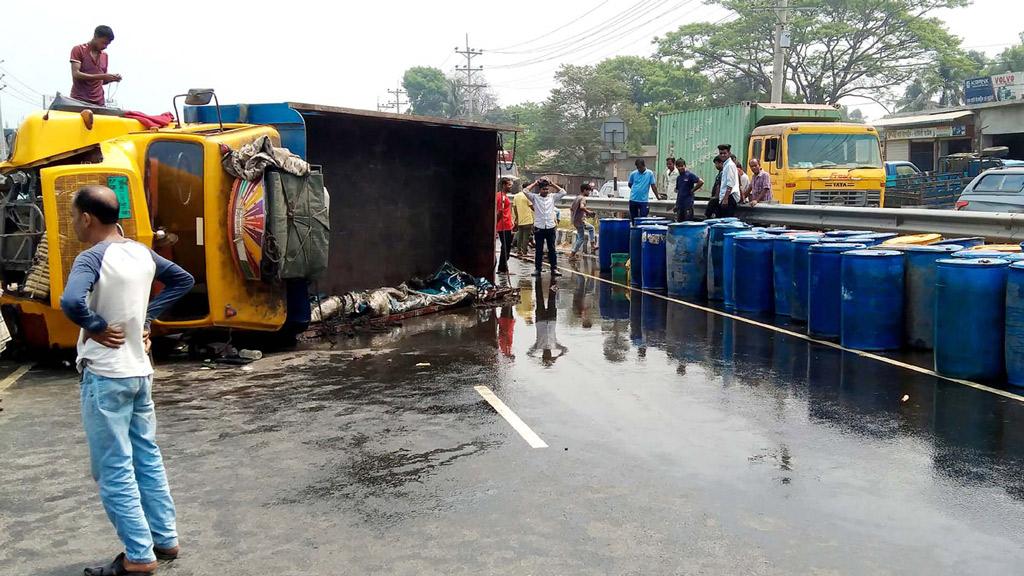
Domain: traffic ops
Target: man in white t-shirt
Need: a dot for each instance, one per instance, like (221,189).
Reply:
(107,294)
(668,178)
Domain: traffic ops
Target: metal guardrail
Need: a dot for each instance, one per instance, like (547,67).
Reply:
(994,226)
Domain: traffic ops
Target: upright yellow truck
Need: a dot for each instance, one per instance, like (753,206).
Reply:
(174,196)
(812,156)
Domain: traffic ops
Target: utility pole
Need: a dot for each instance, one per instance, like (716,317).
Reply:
(782,41)
(397,103)
(468,69)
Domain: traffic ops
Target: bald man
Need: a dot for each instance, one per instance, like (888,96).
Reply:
(107,295)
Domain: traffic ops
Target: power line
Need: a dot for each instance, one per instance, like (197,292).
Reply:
(397,102)
(573,44)
(504,49)
(18,80)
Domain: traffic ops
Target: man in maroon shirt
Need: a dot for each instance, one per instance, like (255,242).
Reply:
(89,67)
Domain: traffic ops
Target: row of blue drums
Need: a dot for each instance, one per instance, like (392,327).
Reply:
(966,305)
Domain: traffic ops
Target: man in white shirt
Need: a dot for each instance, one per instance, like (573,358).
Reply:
(668,178)
(729,192)
(544,221)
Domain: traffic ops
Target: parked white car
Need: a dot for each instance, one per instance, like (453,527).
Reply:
(622,192)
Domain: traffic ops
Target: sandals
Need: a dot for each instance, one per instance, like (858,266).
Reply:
(115,568)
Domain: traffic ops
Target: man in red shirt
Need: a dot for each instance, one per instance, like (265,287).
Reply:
(503,222)
(89,67)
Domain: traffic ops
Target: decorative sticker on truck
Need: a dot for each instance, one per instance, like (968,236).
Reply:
(119,184)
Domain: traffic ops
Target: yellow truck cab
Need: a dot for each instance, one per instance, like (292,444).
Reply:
(821,163)
(171,187)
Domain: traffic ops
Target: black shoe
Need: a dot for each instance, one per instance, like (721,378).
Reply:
(556,273)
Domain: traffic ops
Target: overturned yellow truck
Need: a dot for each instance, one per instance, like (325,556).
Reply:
(406,194)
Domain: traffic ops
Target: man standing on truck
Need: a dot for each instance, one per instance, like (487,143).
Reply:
(641,183)
(89,68)
(687,184)
(544,222)
(107,295)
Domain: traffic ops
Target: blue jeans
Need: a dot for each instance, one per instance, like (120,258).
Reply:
(581,237)
(120,425)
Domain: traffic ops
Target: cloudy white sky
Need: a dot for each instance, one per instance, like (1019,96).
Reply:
(350,53)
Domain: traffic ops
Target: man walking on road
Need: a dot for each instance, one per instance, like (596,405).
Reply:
(503,223)
(544,222)
(89,68)
(687,184)
(580,213)
(522,215)
(107,295)
(641,184)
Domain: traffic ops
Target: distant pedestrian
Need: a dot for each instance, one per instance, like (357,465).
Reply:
(584,229)
(108,295)
(504,223)
(714,207)
(522,215)
(729,191)
(668,178)
(760,186)
(687,185)
(545,220)
(641,184)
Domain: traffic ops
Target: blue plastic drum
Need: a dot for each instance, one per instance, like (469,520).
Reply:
(782,272)
(968,242)
(919,291)
(873,238)
(970,311)
(872,300)
(716,244)
(975,254)
(614,240)
(729,267)
(753,279)
(653,274)
(824,288)
(636,256)
(845,233)
(686,255)
(798,290)
(1015,324)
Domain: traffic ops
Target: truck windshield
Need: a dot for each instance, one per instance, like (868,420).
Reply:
(834,150)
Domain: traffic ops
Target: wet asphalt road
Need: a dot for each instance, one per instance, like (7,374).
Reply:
(680,442)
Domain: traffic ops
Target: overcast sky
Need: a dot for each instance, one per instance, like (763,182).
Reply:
(349,53)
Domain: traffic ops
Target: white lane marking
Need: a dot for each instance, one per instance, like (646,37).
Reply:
(531,438)
(14,377)
(871,355)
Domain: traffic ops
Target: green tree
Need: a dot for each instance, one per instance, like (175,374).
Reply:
(942,84)
(1009,60)
(656,87)
(427,89)
(528,116)
(571,118)
(839,48)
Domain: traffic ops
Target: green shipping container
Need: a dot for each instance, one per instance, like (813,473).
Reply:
(694,135)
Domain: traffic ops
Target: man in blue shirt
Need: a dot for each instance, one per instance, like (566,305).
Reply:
(641,184)
(687,184)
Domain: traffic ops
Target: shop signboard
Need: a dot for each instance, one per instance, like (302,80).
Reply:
(998,88)
(926,133)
